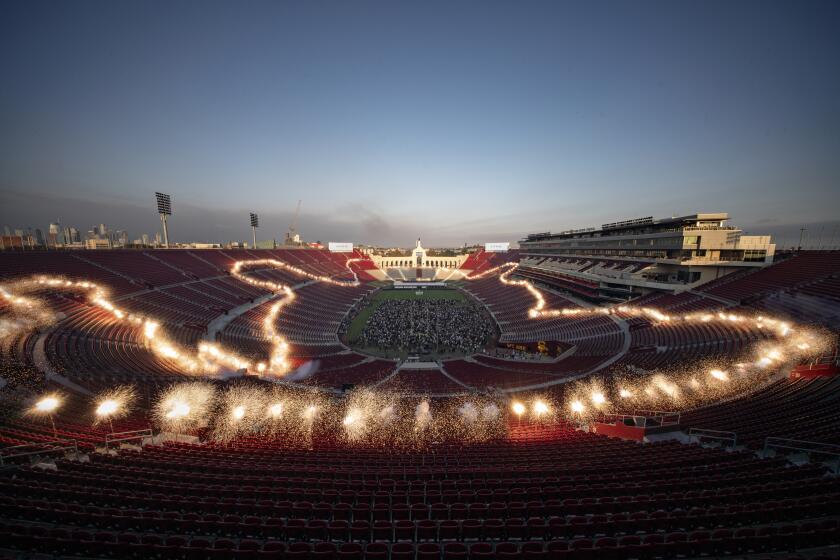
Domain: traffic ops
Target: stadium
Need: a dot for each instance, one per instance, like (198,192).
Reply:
(419,280)
(567,399)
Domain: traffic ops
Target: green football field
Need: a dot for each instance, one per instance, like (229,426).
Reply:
(361,319)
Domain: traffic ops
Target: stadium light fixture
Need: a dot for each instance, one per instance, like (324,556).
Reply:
(255,223)
(164,207)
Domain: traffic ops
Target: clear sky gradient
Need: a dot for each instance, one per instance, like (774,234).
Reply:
(458,121)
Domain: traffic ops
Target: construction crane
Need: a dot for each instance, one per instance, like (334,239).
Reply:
(292,237)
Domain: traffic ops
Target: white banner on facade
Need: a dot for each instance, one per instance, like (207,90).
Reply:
(497,247)
(341,247)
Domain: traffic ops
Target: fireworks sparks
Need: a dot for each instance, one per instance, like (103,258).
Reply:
(185,407)
(107,408)
(300,417)
(540,408)
(22,313)
(47,405)
(278,363)
(490,411)
(240,412)
(212,360)
(720,375)
(208,359)
(422,415)
(692,385)
(275,411)
(149,329)
(178,409)
(384,419)
(372,417)
(468,412)
(538,310)
(310,413)
(683,388)
(470,419)
(240,266)
(114,404)
(29,313)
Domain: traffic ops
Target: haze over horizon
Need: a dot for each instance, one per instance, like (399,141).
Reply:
(457,122)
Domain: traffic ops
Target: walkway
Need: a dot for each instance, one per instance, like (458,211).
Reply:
(39,358)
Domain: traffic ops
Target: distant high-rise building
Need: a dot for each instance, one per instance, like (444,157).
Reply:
(75,236)
(145,238)
(6,230)
(158,239)
(56,235)
(11,242)
(39,237)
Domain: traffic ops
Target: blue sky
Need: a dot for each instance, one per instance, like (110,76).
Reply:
(458,121)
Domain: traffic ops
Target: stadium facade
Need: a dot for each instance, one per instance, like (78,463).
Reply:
(622,260)
(419,258)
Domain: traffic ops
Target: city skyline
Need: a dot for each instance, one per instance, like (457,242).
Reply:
(820,235)
(458,122)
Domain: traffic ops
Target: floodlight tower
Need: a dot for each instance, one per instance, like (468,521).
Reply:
(164,206)
(255,223)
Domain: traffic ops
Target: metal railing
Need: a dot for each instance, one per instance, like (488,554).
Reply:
(37,448)
(644,418)
(638,421)
(132,435)
(802,446)
(722,436)
(665,417)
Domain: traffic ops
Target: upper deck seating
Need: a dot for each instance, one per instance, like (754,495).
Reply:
(796,272)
